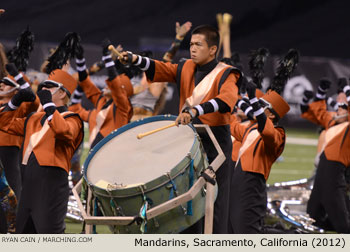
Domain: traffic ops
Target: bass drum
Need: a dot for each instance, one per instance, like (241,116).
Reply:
(128,175)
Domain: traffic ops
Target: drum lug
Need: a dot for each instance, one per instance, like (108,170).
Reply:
(142,188)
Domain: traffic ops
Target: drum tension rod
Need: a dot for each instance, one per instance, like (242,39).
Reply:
(173,186)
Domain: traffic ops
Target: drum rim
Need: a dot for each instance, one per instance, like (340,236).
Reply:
(121,130)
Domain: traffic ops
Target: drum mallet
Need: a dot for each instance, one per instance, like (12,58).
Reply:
(115,51)
(141,135)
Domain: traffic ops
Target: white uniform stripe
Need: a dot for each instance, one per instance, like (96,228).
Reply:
(80,61)
(106,57)
(254,100)
(49,118)
(50,104)
(148,62)
(321,89)
(346,88)
(18,76)
(74,100)
(25,85)
(200,109)
(76,92)
(248,110)
(109,64)
(258,112)
(12,106)
(240,103)
(139,60)
(215,105)
(81,68)
(320,96)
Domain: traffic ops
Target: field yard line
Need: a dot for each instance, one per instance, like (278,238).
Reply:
(301,141)
(291,172)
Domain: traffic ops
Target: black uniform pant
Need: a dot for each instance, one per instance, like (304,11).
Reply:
(329,203)
(223,174)
(43,204)
(9,155)
(248,202)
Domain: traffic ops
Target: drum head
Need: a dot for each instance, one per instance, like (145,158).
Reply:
(122,159)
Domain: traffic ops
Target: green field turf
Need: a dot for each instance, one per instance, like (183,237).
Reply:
(295,163)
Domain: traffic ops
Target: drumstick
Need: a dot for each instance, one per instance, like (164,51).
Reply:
(115,51)
(141,135)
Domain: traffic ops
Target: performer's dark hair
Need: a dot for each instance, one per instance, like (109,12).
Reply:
(211,34)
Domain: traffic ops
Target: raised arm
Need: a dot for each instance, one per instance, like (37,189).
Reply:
(156,71)
(90,90)
(181,32)
(119,86)
(64,128)
(76,104)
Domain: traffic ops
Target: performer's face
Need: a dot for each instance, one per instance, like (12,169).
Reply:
(5,88)
(341,112)
(200,52)
(341,98)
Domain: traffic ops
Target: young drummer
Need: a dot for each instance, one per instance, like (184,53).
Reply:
(208,92)
(51,137)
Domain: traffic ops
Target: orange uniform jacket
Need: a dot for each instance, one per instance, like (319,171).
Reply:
(236,145)
(116,116)
(88,116)
(337,138)
(259,150)
(53,143)
(318,114)
(223,88)
(25,109)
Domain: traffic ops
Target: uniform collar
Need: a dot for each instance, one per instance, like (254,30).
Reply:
(208,67)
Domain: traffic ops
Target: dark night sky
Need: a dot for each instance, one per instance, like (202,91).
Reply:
(315,27)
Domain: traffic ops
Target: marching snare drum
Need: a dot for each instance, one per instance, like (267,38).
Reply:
(127,174)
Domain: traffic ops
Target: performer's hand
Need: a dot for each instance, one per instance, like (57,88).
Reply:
(127,58)
(11,69)
(185,117)
(23,95)
(182,30)
(45,96)
(251,89)
(325,84)
(49,107)
(246,108)
(105,43)
(308,94)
